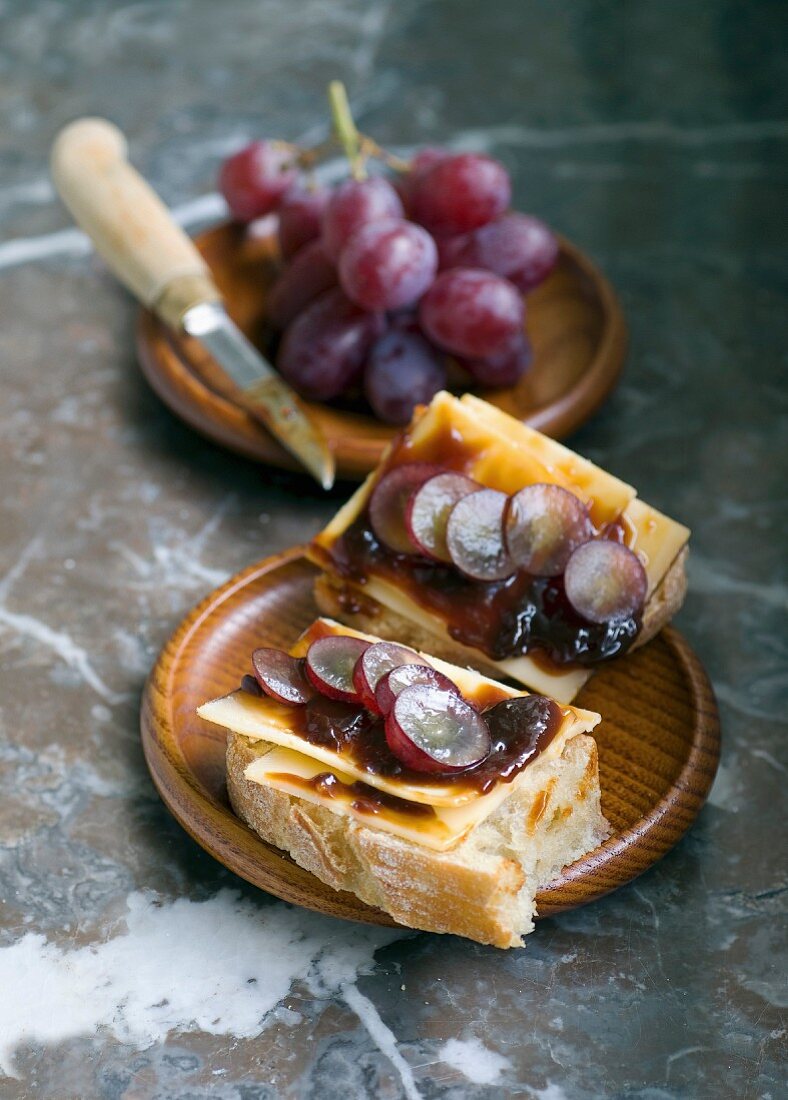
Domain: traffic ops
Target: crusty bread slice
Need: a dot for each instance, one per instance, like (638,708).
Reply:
(341,599)
(484,888)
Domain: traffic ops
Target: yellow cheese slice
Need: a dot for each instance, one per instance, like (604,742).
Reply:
(440,829)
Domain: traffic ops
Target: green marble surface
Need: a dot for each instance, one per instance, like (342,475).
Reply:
(131,965)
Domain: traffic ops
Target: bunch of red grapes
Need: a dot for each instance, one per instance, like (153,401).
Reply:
(386,284)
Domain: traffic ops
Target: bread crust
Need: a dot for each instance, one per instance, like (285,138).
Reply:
(484,888)
(341,599)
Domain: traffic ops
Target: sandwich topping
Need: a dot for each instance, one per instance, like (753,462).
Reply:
(382,709)
(510,574)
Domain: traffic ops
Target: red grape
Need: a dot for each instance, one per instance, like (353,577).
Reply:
(255,178)
(420,163)
(402,371)
(427,512)
(393,683)
(388,264)
(354,203)
(300,215)
(543,524)
(325,347)
(281,676)
(506,367)
(520,248)
(431,730)
(460,193)
(472,313)
(308,274)
(377,660)
(474,536)
(604,580)
(330,662)
(389,500)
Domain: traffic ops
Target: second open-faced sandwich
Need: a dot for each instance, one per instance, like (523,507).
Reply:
(428,790)
(487,543)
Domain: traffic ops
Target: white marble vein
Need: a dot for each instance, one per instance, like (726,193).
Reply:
(382,1036)
(218,966)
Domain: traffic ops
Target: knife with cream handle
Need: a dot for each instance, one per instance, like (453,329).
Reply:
(135,234)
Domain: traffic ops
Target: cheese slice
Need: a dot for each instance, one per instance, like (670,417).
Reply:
(264,719)
(440,828)
(503,453)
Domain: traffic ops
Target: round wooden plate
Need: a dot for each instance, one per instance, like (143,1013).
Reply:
(659,742)
(574,322)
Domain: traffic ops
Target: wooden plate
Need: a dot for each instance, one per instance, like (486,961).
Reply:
(574,322)
(658,742)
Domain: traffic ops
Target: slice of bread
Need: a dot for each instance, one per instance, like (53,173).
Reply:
(484,888)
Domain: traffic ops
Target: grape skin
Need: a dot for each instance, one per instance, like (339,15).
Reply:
(354,203)
(516,246)
(255,178)
(471,312)
(402,371)
(324,349)
(460,193)
(300,216)
(506,367)
(388,264)
(309,274)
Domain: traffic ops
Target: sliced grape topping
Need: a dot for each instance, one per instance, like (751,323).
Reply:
(389,499)
(605,581)
(330,663)
(474,536)
(543,525)
(428,509)
(282,676)
(394,682)
(374,663)
(433,730)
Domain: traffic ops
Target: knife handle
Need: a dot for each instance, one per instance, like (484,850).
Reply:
(126,220)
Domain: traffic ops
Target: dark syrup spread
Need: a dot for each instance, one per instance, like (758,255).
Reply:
(517,615)
(355,733)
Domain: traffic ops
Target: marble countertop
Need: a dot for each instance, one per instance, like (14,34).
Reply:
(131,964)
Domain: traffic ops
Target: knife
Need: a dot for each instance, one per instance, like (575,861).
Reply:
(134,232)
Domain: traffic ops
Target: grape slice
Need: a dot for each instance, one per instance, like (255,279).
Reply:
(472,313)
(309,274)
(330,663)
(403,370)
(604,581)
(255,178)
(374,663)
(460,193)
(282,676)
(430,730)
(474,536)
(427,512)
(394,682)
(542,526)
(388,264)
(389,500)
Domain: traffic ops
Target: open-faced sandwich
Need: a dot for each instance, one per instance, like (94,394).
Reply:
(428,790)
(483,541)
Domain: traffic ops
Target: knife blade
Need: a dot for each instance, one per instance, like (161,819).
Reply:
(134,231)
(262,391)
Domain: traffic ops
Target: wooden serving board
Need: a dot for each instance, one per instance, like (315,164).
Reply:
(573,320)
(659,742)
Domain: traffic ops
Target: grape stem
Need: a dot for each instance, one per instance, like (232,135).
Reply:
(345,129)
